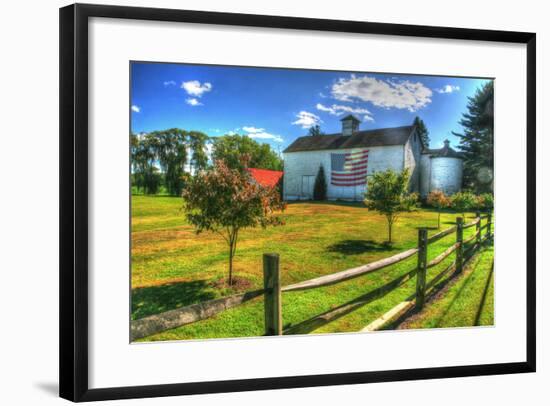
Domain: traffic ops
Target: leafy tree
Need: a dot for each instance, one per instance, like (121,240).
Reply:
(320,185)
(224,200)
(463,201)
(197,143)
(231,148)
(171,152)
(422,131)
(387,194)
(146,175)
(315,130)
(476,142)
(438,200)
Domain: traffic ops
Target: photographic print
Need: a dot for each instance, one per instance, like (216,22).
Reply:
(277,201)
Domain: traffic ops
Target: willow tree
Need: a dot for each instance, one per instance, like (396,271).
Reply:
(197,144)
(171,152)
(225,201)
(143,158)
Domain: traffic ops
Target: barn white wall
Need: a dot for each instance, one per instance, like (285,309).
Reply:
(425,174)
(306,163)
(412,161)
(446,174)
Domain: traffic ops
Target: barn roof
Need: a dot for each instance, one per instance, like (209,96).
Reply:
(369,138)
(266,177)
(446,151)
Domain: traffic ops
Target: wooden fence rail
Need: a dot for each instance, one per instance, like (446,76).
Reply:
(272,290)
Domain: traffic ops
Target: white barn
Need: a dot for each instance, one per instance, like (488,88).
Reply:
(396,148)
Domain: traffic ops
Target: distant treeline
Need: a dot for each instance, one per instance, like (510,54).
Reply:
(159,159)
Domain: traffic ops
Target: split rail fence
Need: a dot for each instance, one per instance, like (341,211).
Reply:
(272,290)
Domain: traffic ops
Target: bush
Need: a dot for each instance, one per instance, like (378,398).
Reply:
(438,200)
(463,201)
(485,202)
(320,186)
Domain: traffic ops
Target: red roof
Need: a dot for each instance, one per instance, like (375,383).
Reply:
(266,177)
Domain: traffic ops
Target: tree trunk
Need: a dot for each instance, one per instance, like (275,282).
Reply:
(390,224)
(438,220)
(232,249)
(230,280)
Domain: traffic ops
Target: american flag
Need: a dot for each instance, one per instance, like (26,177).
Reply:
(349,169)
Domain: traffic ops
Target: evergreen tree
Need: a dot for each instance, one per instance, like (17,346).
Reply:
(422,131)
(315,130)
(476,143)
(320,186)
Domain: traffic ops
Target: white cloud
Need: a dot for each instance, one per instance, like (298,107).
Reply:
(306,119)
(253,130)
(195,88)
(136,109)
(193,102)
(338,109)
(170,83)
(260,133)
(448,89)
(382,93)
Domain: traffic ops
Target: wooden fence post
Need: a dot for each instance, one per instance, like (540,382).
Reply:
(460,247)
(272,296)
(489,219)
(421,268)
(478,228)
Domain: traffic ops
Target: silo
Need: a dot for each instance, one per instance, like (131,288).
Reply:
(446,174)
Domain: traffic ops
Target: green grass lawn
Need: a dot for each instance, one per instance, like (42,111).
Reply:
(174,267)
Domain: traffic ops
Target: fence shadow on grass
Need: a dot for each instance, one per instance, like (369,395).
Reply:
(158,299)
(356,247)
(484,295)
(309,325)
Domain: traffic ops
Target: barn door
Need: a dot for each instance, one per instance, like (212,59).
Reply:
(307,186)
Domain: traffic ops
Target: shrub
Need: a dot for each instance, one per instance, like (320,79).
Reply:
(485,202)
(438,200)
(463,201)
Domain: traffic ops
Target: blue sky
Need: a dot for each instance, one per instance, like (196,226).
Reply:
(278,105)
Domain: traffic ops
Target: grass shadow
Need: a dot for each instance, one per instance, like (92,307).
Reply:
(356,247)
(158,299)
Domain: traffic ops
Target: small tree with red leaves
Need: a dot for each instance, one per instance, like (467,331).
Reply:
(224,201)
(438,200)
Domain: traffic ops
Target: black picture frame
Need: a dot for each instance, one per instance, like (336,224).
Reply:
(74,201)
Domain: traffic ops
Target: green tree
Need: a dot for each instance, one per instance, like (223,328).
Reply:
(387,194)
(231,149)
(171,152)
(462,202)
(197,143)
(476,142)
(315,130)
(438,200)
(225,201)
(320,185)
(422,131)
(145,174)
